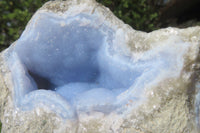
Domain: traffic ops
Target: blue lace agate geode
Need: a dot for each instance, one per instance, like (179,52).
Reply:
(75,62)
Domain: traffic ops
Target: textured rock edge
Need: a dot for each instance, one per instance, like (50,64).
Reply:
(170,105)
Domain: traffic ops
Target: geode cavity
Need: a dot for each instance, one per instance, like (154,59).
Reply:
(80,64)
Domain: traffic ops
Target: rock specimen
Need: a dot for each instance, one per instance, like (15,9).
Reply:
(78,68)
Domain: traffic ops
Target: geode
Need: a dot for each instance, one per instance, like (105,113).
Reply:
(78,68)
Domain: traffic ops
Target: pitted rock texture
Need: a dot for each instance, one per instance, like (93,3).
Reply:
(78,68)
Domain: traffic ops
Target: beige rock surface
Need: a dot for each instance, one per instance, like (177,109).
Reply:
(169,108)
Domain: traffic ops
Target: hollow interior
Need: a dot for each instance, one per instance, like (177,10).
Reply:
(75,58)
(79,60)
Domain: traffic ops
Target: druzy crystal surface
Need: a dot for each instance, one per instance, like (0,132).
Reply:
(81,60)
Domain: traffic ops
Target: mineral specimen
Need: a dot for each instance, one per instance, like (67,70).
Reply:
(78,68)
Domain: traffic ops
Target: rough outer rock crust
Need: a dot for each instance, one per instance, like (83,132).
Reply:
(170,107)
